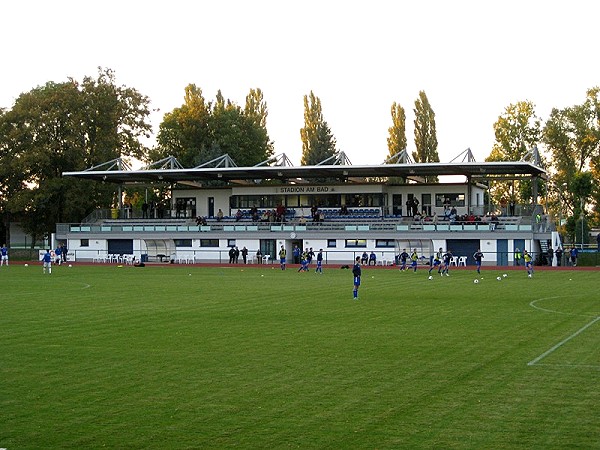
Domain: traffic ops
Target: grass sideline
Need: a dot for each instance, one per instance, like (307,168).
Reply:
(217,357)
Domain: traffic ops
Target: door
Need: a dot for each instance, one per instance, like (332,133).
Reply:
(211,207)
(397,204)
(502,252)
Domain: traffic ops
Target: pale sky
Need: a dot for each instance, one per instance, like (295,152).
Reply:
(472,59)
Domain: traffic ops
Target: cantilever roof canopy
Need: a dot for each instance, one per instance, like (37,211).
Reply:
(231,174)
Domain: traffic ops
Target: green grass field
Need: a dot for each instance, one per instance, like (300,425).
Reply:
(207,357)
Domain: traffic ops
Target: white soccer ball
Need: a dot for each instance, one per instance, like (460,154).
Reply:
(26,265)
(430,277)
(70,265)
(475,281)
(498,278)
(505,275)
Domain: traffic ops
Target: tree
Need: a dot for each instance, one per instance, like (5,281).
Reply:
(572,135)
(517,131)
(425,133)
(199,131)
(318,143)
(397,132)
(62,127)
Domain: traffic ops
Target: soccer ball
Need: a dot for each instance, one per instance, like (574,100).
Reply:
(498,278)
(26,265)
(475,281)
(70,265)
(430,277)
(529,275)
(505,275)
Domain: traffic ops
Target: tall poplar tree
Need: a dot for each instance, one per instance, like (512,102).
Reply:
(318,143)
(397,132)
(425,133)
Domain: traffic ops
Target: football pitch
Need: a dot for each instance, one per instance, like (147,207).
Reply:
(176,357)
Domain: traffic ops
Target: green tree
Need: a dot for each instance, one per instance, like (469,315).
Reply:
(199,131)
(318,143)
(63,127)
(517,131)
(425,133)
(572,135)
(397,132)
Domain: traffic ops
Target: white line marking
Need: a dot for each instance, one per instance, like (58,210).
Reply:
(564,341)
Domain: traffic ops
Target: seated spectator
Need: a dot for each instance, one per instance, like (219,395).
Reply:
(238,215)
(201,221)
(254,214)
(302,220)
(344,210)
(364,258)
(265,216)
(219,215)
(372,258)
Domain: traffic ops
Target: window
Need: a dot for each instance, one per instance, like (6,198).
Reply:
(387,243)
(231,243)
(84,243)
(209,243)
(183,242)
(331,243)
(353,243)
(453,199)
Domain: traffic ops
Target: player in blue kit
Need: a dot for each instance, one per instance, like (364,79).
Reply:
(4,253)
(356,272)
(47,261)
(403,258)
(437,262)
(478,256)
(319,262)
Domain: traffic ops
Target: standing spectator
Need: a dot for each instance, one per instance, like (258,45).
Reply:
(144,210)
(231,255)
(558,253)
(64,252)
(245,254)
(296,254)
(219,215)
(511,206)
(415,203)
(598,241)
(236,254)
(550,255)
(4,253)
(259,256)
(313,211)
(517,257)
(356,273)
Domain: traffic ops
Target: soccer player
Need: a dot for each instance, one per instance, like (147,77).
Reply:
(57,255)
(4,253)
(403,258)
(319,262)
(414,258)
(528,263)
(447,258)
(47,262)
(282,255)
(478,256)
(436,262)
(356,272)
(303,262)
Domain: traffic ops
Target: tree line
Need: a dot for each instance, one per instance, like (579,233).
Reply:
(76,125)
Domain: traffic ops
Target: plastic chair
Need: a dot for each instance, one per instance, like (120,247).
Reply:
(462,261)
